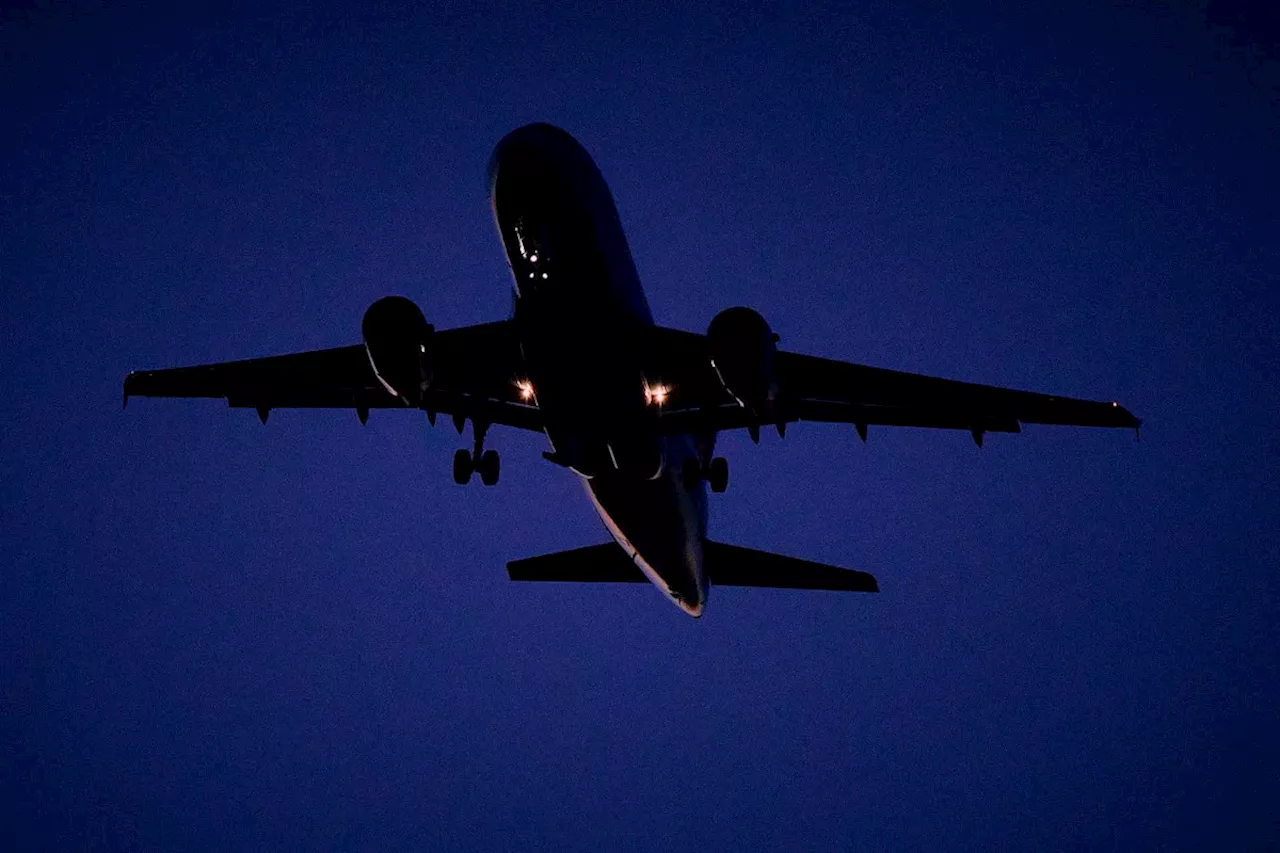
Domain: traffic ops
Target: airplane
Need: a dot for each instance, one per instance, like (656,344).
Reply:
(630,407)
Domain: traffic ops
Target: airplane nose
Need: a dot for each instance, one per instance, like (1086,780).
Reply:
(534,149)
(544,160)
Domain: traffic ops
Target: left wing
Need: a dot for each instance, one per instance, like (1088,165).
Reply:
(474,374)
(820,389)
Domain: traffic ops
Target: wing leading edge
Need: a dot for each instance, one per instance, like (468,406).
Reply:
(474,373)
(825,390)
(476,369)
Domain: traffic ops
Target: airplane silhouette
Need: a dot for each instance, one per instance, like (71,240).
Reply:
(631,407)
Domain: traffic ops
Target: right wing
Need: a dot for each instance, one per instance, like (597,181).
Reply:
(821,389)
(474,373)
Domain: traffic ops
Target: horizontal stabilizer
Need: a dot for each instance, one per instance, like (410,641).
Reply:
(733,565)
(606,563)
(727,565)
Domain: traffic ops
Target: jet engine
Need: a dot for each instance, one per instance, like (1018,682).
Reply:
(398,340)
(743,350)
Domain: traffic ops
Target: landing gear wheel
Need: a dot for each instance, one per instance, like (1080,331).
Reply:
(462,467)
(488,467)
(718,475)
(691,472)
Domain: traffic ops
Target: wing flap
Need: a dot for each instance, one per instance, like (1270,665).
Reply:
(729,417)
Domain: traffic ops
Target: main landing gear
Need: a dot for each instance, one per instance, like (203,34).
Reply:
(480,461)
(716,474)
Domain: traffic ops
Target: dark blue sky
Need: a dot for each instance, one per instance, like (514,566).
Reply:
(223,636)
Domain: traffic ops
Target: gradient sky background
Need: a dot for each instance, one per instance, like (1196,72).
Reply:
(223,636)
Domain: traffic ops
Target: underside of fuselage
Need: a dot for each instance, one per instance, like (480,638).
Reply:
(581,314)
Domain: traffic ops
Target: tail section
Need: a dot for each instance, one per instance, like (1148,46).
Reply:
(733,565)
(726,565)
(606,563)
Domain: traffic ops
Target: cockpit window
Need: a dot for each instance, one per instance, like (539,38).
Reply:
(530,261)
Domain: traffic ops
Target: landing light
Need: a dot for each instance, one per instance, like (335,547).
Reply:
(656,395)
(525,387)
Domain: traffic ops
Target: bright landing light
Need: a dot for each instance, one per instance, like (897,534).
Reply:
(656,395)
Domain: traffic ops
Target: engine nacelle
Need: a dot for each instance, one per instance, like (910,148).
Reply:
(398,340)
(743,350)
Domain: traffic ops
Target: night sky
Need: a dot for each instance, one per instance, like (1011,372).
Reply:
(218,635)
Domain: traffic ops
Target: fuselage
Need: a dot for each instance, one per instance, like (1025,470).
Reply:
(582,317)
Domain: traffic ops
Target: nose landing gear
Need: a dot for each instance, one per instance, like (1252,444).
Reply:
(479,461)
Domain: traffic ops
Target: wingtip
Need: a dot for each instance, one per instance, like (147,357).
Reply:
(1135,422)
